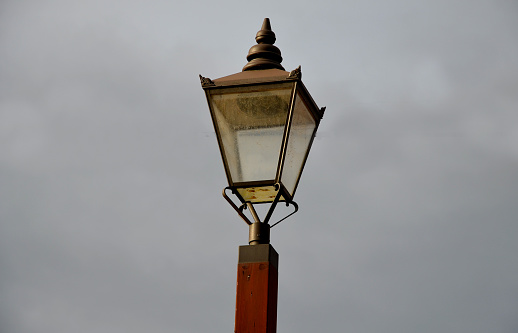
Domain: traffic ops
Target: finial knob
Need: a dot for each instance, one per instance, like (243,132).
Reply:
(264,55)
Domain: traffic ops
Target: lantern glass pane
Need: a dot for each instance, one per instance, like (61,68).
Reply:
(251,123)
(300,137)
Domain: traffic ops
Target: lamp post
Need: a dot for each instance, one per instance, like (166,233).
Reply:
(265,122)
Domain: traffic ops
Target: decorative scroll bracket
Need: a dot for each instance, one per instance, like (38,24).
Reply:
(206,82)
(295,74)
(249,205)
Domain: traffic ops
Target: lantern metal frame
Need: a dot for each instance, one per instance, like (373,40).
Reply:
(258,78)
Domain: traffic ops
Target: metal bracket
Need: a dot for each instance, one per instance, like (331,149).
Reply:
(249,205)
(284,218)
(237,209)
(274,204)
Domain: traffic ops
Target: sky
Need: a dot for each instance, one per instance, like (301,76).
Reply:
(111,214)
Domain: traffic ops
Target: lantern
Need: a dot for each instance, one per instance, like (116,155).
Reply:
(265,122)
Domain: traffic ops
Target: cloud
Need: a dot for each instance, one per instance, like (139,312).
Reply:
(110,211)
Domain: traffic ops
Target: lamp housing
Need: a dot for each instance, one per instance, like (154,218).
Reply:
(265,122)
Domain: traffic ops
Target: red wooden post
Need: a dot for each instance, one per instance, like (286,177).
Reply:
(256,297)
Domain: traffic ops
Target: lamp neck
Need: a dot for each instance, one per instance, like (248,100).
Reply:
(259,233)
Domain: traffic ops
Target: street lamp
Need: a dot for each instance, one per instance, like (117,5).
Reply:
(265,122)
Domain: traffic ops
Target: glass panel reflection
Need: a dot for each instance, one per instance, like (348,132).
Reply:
(301,132)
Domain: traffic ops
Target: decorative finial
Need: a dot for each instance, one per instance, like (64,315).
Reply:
(264,55)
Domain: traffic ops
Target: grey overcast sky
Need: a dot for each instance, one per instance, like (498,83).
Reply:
(111,217)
